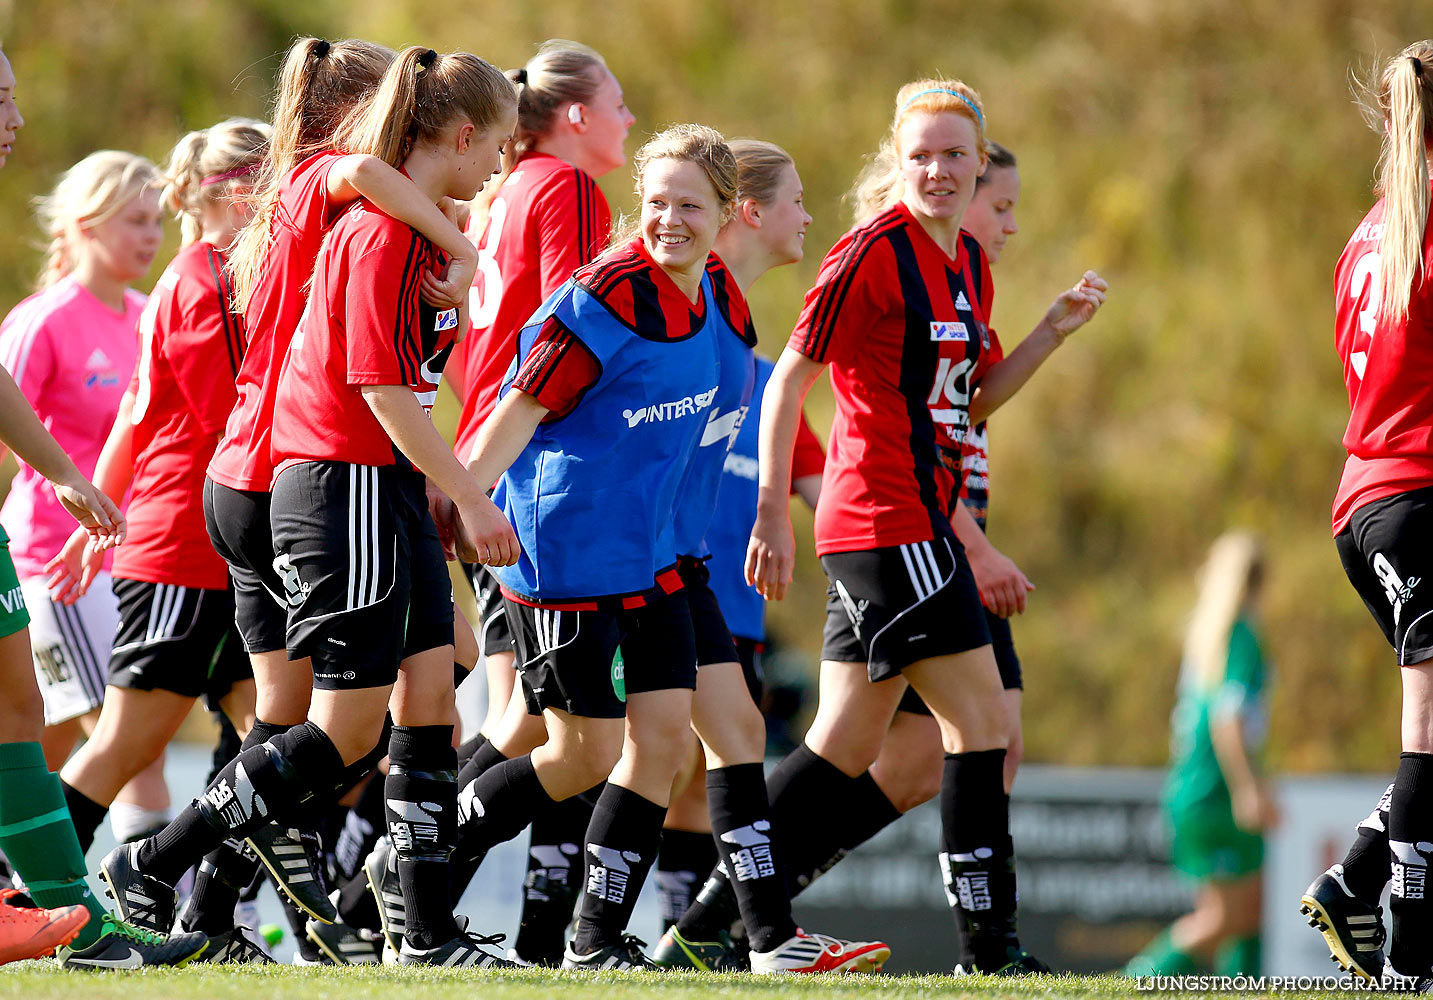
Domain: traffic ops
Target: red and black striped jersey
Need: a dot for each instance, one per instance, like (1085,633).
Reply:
(364,324)
(558,370)
(902,326)
(548,219)
(191,345)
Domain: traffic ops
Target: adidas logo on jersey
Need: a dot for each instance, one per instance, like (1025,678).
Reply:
(961,302)
(948,330)
(98,359)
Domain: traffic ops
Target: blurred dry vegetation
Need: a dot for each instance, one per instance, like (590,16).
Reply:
(1204,156)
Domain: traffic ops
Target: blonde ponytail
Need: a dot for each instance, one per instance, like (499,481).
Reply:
(319,85)
(1230,579)
(1402,106)
(206,164)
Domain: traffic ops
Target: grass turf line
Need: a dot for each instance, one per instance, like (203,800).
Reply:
(43,981)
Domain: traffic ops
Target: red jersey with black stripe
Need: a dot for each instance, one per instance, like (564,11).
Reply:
(365,324)
(972,458)
(301,220)
(902,326)
(191,343)
(1388,372)
(548,219)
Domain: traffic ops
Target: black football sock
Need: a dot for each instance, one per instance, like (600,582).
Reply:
(741,824)
(360,830)
(422,797)
(467,748)
(1366,866)
(554,858)
(806,795)
(683,861)
(483,757)
(620,846)
(978,858)
(85,813)
(227,870)
(866,812)
(493,809)
(271,782)
(1410,844)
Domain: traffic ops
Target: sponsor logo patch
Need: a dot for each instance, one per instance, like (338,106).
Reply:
(948,330)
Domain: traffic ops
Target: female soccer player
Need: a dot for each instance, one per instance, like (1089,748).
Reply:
(623,371)
(306,185)
(1383,297)
(358,552)
(900,308)
(547,219)
(176,638)
(767,229)
(1216,800)
(35,830)
(71,348)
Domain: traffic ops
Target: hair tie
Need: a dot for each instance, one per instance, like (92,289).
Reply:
(520,77)
(229,175)
(953,93)
(1417,66)
(427,59)
(321,49)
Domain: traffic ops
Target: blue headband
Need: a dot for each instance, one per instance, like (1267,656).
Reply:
(941,90)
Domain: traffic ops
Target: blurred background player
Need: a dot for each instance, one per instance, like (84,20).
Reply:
(35,829)
(1216,798)
(71,347)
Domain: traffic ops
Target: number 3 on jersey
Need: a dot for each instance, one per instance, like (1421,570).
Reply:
(488,288)
(1364,282)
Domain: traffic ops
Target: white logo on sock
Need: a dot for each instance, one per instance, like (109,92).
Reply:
(753,860)
(610,872)
(1410,871)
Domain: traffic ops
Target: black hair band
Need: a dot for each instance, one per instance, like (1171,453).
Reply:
(1417,66)
(321,49)
(427,59)
(519,77)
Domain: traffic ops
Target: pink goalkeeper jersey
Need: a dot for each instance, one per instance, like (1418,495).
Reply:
(72,357)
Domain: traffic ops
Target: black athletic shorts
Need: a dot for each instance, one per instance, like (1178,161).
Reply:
(748,654)
(714,641)
(1387,552)
(179,639)
(238,523)
(1006,661)
(494,636)
(891,607)
(569,659)
(363,570)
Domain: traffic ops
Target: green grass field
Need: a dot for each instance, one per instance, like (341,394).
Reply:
(32,981)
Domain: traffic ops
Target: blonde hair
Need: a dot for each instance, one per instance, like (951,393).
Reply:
(561,72)
(1400,105)
(878,186)
(319,85)
(423,93)
(759,166)
(206,164)
(87,194)
(1231,577)
(689,143)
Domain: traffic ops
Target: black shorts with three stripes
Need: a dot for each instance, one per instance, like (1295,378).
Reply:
(362,568)
(569,660)
(891,607)
(179,639)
